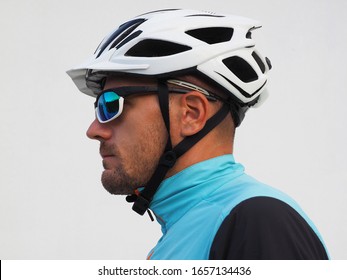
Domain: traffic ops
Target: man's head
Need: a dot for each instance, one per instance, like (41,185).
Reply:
(184,71)
(132,144)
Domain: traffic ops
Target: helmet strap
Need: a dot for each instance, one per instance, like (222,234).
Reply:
(170,155)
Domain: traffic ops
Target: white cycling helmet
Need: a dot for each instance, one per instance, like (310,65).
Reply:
(173,42)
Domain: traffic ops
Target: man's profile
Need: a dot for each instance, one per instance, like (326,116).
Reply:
(171,87)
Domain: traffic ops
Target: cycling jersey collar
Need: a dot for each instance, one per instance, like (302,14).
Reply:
(178,194)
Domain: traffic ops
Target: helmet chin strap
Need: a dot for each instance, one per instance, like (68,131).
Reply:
(170,155)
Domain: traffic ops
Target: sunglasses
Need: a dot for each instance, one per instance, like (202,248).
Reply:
(109,103)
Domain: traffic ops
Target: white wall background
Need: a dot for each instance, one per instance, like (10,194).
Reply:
(52,205)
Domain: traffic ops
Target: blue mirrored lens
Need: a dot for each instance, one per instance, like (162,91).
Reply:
(108,105)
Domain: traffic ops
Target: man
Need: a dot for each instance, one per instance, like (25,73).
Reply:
(171,86)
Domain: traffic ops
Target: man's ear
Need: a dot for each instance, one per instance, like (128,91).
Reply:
(194,113)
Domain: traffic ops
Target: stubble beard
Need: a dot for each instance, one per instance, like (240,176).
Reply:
(121,180)
(117,181)
(132,170)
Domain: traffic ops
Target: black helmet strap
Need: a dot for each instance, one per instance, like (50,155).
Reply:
(170,155)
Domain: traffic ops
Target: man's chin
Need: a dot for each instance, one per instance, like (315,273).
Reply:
(115,190)
(114,185)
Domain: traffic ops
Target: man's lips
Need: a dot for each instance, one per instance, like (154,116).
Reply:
(106,155)
(106,152)
(107,160)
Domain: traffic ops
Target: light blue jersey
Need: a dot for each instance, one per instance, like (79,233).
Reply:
(191,206)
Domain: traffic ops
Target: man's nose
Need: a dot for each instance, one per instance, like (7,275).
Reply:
(98,131)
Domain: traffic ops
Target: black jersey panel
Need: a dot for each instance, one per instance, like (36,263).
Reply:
(265,228)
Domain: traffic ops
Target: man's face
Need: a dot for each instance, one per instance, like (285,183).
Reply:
(130,145)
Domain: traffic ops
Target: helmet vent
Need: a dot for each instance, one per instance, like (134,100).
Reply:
(241,69)
(259,61)
(122,36)
(123,31)
(205,15)
(156,48)
(249,35)
(212,35)
(128,39)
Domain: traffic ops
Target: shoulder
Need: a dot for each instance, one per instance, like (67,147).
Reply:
(265,228)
